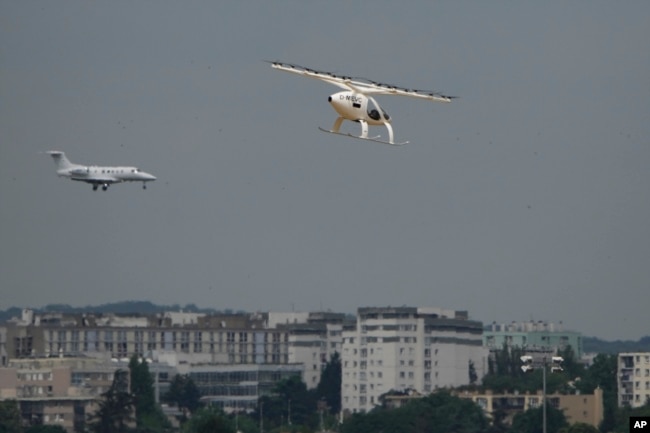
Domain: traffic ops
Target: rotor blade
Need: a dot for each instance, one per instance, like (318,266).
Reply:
(361,85)
(328,77)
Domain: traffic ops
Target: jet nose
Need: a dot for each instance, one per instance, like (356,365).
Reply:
(149,176)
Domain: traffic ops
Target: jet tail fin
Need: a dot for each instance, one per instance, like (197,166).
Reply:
(62,163)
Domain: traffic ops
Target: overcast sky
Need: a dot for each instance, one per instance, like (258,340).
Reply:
(527,198)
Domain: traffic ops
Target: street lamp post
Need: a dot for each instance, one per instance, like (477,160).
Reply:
(236,417)
(530,364)
(289,413)
(544,396)
(261,417)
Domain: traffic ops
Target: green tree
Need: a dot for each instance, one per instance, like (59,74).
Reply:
(289,402)
(572,368)
(499,421)
(244,422)
(10,419)
(148,414)
(473,376)
(621,423)
(579,427)
(530,421)
(154,422)
(142,387)
(183,393)
(299,400)
(437,413)
(602,374)
(115,411)
(208,420)
(329,386)
(505,373)
(46,429)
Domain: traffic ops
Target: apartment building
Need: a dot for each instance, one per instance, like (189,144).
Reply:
(633,379)
(407,348)
(56,390)
(532,336)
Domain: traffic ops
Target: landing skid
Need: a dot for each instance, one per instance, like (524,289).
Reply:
(375,138)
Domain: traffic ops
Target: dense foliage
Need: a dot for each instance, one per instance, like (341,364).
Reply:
(596,345)
(505,375)
(329,387)
(183,393)
(115,412)
(579,427)
(290,403)
(208,420)
(530,421)
(148,414)
(46,429)
(437,413)
(10,420)
(602,374)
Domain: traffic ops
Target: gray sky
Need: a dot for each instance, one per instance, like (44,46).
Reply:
(527,198)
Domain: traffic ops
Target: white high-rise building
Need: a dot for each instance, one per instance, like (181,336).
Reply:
(633,379)
(408,348)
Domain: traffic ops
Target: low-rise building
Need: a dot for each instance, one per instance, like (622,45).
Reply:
(583,408)
(56,390)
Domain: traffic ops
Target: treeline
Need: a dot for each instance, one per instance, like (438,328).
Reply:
(124,307)
(596,345)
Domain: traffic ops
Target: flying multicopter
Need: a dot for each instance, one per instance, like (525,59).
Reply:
(355,102)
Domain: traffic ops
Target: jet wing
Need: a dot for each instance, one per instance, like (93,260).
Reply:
(98,180)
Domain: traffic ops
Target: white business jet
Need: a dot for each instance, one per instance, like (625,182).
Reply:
(98,176)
